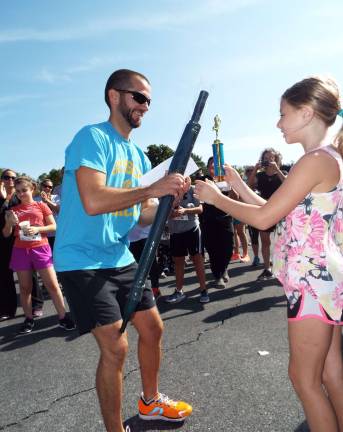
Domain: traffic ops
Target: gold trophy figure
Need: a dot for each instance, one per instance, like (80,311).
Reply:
(218,153)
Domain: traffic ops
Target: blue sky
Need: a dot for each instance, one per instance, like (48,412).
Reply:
(56,57)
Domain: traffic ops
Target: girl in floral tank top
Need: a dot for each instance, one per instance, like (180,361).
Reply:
(308,260)
(308,248)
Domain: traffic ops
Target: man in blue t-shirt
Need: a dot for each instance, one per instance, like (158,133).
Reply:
(101,202)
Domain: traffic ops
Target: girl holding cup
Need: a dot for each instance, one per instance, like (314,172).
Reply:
(31,221)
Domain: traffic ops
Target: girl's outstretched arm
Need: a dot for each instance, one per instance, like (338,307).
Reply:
(245,193)
(314,172)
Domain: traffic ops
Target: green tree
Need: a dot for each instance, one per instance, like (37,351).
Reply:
(158,153)
(55,175)
(197,159)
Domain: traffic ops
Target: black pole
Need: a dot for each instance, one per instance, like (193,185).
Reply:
(177,165)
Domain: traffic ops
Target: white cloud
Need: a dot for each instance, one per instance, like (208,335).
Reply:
(154,22)
(55,76)
(271,60)
(331,11)
(52,77)
(18,35)
(14,99)
(98,62)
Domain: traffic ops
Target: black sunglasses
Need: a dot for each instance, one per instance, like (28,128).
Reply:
(136,96)
(47,186)
(7,177)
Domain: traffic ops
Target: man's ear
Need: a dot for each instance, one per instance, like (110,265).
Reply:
(113,97)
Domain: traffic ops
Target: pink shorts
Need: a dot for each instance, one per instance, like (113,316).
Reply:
(303,305)
(31,258)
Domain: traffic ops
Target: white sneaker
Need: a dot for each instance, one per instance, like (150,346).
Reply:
(220,283)
(226,277)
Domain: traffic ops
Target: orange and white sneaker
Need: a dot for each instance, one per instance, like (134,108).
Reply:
(245,258)
(163,408)
(235,257)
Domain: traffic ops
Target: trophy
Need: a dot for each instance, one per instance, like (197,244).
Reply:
(218,153)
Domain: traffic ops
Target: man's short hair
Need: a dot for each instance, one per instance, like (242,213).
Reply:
(121,79)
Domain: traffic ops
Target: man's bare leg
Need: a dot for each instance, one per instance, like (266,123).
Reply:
(113,349)
(149,326)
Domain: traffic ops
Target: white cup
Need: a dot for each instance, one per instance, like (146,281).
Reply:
(24,225)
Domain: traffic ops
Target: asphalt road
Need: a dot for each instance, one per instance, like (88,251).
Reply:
(211,360)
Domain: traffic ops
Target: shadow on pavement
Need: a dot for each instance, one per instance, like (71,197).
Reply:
(138,425)
(191,303)
(255,306)
(45,328)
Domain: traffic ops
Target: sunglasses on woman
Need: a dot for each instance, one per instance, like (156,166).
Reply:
(47,186)
(136,96)
(7,177)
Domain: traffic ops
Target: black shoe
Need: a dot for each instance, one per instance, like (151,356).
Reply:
(67,323)
(204,298)
(265,275)
(27,326)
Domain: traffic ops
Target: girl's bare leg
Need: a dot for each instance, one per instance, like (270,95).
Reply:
(310,342)
(25,285)
(333,375)
(49,279)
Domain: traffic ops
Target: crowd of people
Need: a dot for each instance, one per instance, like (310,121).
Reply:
(194,230)
(96,258)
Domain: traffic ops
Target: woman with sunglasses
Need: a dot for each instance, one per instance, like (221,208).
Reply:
(32,251)
(52,201)
(8,296)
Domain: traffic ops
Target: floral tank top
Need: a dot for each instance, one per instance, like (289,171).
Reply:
(308,248)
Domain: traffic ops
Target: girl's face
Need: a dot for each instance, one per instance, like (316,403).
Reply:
(292,122)
(24,192)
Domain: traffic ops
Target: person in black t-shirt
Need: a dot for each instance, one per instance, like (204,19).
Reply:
(266,177)
(217,234)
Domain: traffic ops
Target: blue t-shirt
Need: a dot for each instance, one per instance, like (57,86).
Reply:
(94,242)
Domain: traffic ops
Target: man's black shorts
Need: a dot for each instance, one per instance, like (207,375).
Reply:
(98,297)
(189,242)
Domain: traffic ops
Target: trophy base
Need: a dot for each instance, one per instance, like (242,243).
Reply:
(223,186)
